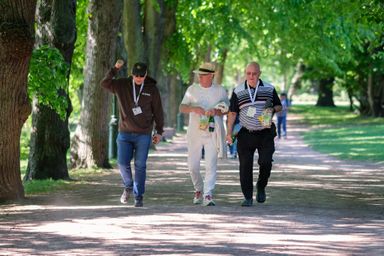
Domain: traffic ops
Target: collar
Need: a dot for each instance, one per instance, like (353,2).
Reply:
(259,83)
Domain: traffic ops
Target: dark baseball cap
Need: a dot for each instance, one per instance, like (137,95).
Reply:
(139,69)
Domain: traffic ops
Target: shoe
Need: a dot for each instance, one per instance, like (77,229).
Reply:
(125,196)
(261,196)
(247,202)
(139,202)
(208,201)
(198,198)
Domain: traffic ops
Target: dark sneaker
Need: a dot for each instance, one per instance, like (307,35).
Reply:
(247,202)
(139,202)
(198,197)
(208,201)
(125,196)
(261,196)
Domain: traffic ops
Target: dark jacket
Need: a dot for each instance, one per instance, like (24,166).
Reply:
(149,102)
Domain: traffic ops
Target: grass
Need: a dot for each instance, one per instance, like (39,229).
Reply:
(44,186)
(78,176)
(343,134)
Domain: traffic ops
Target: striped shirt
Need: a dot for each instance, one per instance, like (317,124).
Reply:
(241,102)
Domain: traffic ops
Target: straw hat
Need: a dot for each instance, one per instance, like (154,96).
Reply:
(205,68)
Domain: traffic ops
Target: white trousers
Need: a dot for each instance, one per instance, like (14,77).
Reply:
(195,145)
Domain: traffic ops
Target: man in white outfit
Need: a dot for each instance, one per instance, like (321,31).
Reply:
(206,104)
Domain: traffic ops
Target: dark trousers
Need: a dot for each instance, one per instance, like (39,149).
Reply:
(247,143)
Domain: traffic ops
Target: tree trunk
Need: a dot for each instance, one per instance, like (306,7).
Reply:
(370,92)
(220,68)
(90,143)
(16,44)
(325,94)
(378,95)
(176,93)
(159,27)
(133,33)
(56,27)
(296,80)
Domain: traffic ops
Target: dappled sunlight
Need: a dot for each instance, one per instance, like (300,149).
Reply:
(170,230)
(306,167)
(167,154)
(316,205)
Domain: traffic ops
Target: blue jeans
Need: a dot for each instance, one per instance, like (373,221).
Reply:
(133,145)
(281,124)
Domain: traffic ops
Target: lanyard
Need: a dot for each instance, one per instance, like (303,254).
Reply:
(250,94)
(136,99)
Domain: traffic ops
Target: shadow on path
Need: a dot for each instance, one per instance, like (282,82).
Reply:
(316,205)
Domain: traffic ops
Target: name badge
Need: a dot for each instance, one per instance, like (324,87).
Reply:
(137,111)
(251,112)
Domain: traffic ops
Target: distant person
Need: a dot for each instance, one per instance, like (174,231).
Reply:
(139,108)
(282,117)
(254,101)
(206,104)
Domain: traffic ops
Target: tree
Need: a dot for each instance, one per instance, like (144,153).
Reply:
(16,44)
(50,137)
(149,28)
(133,33)
(325,93)
(90,143)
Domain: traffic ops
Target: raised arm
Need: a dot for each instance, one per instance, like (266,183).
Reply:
(108,82)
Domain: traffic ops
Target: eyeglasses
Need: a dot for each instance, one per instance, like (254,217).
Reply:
(141,76)
(252,73)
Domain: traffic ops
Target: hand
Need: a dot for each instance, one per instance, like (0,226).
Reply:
(229,139)
(156,138)
(198,110)
(210,112)
(119,63)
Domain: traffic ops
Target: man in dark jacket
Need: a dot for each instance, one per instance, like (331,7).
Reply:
(139,108)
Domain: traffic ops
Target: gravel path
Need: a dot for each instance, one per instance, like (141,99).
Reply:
(316,205)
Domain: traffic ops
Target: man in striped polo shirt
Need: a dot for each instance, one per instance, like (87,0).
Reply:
(251,100)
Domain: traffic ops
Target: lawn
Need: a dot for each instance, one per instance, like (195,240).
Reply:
(343,134)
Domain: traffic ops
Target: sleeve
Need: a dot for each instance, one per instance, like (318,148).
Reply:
(233,103)
(108,82)
(276,99)
(187,97)
(157,109)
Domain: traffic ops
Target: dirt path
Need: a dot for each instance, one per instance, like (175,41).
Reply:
(316,205)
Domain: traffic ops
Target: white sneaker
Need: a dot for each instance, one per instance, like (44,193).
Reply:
(208,201)
(198,197)
(125,196)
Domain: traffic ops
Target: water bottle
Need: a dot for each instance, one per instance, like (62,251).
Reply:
(211,124)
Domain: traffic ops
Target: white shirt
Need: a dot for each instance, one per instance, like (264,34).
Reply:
(206,98)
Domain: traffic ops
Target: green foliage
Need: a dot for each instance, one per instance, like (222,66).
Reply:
(24,145)
(78,59)
(47,76)
(76,79)
(343,134)
(206,26)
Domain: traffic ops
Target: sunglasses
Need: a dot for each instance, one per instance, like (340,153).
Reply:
(141,76)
